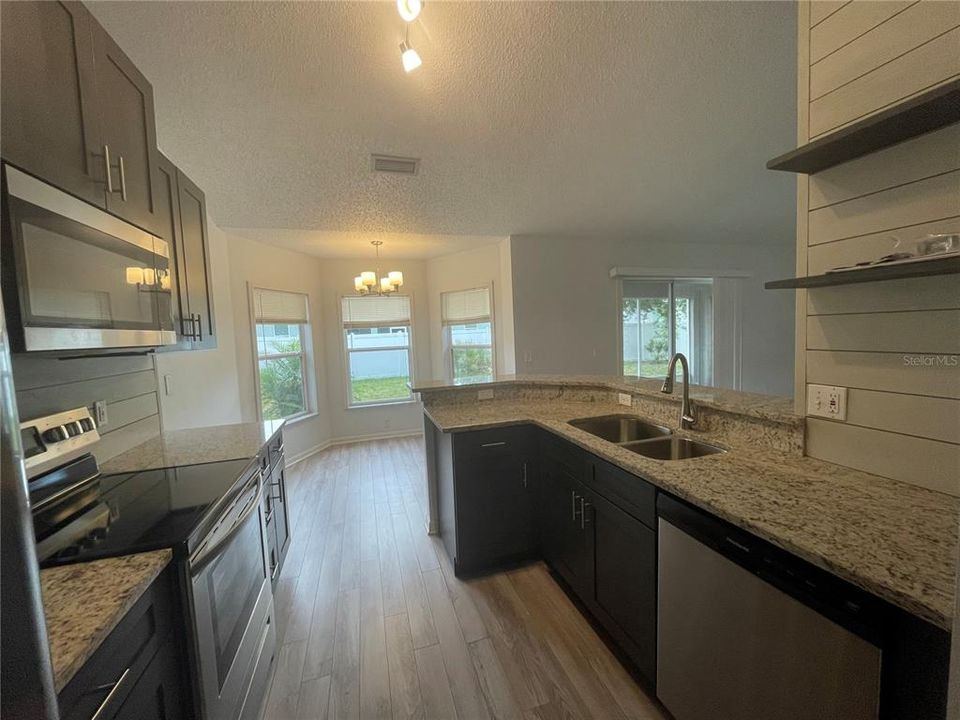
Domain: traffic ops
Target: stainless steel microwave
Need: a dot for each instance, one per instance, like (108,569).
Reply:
(76,278)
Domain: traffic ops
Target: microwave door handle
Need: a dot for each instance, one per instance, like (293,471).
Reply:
(202,559)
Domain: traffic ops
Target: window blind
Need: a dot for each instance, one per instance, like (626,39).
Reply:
(364,312)
(465,306)
(276,306)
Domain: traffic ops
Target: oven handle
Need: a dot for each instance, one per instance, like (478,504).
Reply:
(202,559)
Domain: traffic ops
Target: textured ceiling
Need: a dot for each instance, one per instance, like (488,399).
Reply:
(648,119)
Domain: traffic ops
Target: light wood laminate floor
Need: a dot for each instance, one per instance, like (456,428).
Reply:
(373,624)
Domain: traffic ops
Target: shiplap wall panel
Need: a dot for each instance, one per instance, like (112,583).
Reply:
(847,252)
(894,345)
(933,198)
(849,23)
(930,375)
(918,415)
(920,461)
(128,384)
(924,67)
(927,331)
(925,293)
(901,33)
(820,10)
(932,154)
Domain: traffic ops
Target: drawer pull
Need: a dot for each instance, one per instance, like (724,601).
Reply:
(583,513)
(573,504)
(493,444)
(110,695)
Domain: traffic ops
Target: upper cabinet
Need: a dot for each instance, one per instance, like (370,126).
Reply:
(48,120)
(77,113)
(182,208)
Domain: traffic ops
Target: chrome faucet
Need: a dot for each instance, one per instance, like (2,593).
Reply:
(688,418)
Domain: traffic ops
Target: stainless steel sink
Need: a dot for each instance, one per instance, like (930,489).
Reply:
(673,448)
(620,428)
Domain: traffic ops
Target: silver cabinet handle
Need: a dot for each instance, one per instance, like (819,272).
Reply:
(108,168)
(573,504)
(199,326)
(494,444)
(110,695)
(123,179)
(524,475)
(583,513)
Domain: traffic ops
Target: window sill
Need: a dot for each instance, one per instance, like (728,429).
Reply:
(391,403)
(300,418)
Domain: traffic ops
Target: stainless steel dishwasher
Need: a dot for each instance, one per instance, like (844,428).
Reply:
(738,635)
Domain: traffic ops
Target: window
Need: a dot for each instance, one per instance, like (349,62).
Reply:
(281,337)
(660,317)
(467,335)
(376,336)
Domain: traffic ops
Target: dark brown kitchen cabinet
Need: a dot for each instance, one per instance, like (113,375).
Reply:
(276,517)
(195,276)
(564,517)
(137,672)
(625,582)
(75,110)
(184,227)
(47,96)
(486,494)
(128,133)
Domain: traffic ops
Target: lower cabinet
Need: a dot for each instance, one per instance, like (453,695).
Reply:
(517,493)
(273,466)
(137,672)
(485,486)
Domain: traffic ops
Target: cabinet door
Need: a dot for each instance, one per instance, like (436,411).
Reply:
(157,694)
(626,581)
(128,130)
(278,493)
(196,260)
(48,114)
(494,514)
(168,212)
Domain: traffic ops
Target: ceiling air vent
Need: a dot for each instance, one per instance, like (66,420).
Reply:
(394,164)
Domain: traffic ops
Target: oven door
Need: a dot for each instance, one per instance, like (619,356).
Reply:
(85,279)
(233,608)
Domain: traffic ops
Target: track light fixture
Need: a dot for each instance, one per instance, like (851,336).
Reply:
(409,9)
(408,56)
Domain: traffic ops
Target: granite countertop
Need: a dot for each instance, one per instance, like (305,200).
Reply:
(84,602)
(195,445)
(895,540)
(765,407)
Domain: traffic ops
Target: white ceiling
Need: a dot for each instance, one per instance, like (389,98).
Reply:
(649,119)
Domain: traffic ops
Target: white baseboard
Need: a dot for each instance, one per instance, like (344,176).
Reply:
(320,447)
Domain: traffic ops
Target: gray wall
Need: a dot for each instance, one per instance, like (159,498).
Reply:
(565,303)
(128,385)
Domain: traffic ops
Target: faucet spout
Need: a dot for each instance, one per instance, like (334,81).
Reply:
(688,417)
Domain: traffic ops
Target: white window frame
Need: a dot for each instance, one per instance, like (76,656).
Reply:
(305,354)
(447,339)
(349,403)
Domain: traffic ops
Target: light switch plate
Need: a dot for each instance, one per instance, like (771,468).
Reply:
(828,401)
(485,394)
(100,412)
(625,399)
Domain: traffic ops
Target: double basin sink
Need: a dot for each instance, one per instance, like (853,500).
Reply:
(644,438)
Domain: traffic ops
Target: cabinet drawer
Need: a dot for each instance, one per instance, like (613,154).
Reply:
(123,656)
(627,491)
(492,444)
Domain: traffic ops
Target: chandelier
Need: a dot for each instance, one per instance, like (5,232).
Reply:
(370,282)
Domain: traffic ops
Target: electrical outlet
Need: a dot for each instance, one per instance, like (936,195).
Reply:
(485,394)
(827,401)
(100,412)
(625,399)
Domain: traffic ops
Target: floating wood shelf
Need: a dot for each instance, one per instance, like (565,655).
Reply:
(873,273)
(924,113)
